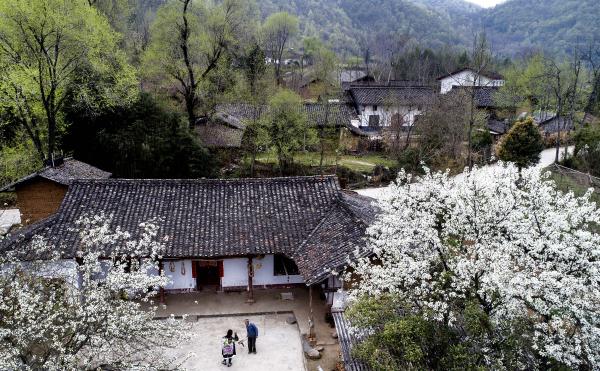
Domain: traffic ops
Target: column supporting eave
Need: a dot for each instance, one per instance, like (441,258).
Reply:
(250,298)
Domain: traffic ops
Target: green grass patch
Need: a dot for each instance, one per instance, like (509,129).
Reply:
(566,183)
(363,164)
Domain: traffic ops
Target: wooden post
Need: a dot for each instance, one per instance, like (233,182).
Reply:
(161,289)
(311,318)
(250,298)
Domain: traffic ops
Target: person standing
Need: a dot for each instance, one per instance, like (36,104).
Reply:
(228,347)
(252,334)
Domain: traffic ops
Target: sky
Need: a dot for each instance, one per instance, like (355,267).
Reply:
(486,3)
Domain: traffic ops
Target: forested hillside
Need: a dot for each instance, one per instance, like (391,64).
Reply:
(517,26)
(554,25)
(514,27)
(351,25)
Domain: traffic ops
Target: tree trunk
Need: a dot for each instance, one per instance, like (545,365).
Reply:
(557,157)
(471,124)
(190,90)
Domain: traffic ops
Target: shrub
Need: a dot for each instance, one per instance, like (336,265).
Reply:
(522,144)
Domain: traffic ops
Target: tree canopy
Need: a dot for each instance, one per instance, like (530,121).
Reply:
(522,144)
(44,47)
(497,260)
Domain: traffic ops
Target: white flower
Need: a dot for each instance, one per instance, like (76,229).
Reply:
(514,242)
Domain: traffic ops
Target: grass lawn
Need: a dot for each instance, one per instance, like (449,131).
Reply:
(362,164)
(566,183)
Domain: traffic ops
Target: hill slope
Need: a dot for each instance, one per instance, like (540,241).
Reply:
(346,24)
(554,25)
(517,25)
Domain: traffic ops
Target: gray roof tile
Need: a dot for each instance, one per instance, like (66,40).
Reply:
(305,218)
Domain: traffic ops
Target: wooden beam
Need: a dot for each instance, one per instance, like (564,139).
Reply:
(311,317)
(250,298)
(161,289)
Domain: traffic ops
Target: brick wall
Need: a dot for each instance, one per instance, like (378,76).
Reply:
(38,199)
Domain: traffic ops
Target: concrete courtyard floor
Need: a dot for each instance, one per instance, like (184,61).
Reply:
(278,346)
(230,309)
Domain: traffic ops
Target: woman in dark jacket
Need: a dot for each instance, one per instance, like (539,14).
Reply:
(228,347)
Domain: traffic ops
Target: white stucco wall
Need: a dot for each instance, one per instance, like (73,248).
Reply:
(466,78)
(179,281)
(264,273)
(235,274)
(408,114)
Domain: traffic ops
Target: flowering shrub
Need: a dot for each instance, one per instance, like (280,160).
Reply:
(505,262)
(57,314)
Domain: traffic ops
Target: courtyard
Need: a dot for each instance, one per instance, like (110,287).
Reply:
(279,345)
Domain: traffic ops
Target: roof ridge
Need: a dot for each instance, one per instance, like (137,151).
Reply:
(208,180)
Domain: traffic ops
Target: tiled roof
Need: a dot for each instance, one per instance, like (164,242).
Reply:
(64,173)
(351,75)
(347,342)
(305,218)
(336,114)
(390,95)
(484,95)
(554,125)
(498,126)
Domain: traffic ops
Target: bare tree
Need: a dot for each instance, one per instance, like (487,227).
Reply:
(277,31)
(592,59)
(563,81)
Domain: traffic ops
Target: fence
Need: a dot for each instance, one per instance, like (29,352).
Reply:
(583,179)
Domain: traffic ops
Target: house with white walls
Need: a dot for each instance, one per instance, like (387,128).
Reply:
(468,77)
(240,234)
(381,104)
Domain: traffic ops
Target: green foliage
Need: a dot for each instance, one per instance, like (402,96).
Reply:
(586,157)
(16,161)
(404,338)
(280,23)
(400,340)
(253,65)
(287,127)
(522,144)
(44,47)
(513,27)
(139,141)
(190,42)
(482,139)
(552,25)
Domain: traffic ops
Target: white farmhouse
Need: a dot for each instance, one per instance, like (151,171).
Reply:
(223,234)
(380,105)
(469,77)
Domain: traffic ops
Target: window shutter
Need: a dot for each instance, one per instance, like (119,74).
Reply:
(194,263)
(221,270)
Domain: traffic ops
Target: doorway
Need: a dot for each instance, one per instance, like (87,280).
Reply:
(208,274)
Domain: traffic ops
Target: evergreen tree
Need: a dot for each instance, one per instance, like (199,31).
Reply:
(522,145)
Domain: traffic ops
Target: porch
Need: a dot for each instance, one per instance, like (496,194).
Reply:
(233,307)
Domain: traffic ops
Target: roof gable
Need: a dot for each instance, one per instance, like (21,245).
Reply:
(63,174)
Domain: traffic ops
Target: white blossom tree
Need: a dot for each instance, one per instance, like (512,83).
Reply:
(95,311)
(514,245)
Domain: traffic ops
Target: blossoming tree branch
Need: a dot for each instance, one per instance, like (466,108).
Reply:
(497,269)
(56,314)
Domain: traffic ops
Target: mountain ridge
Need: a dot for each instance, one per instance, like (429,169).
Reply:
(513,27)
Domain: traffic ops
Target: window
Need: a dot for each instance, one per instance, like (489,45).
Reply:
(374,108)
(284,266)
